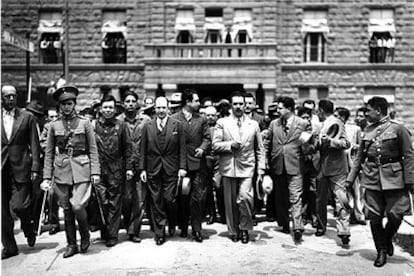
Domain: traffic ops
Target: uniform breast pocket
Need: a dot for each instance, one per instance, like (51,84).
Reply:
(83,160)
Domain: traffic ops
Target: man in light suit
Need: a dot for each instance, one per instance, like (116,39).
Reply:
(333,171)
(163,160)
(286,160)
(20,167)
(238,141)
(198,142)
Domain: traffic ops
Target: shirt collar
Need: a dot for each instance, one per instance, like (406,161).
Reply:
(164,121)
(11,112)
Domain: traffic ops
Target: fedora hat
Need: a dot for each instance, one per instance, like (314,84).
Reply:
(36,107)
(345,198)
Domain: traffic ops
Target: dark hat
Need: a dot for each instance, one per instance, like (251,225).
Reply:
(272,107)
(175,100)
(36,107)
(65,93)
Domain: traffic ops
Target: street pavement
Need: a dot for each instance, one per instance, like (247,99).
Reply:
(270,252)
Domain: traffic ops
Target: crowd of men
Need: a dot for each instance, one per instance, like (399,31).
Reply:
(180,163)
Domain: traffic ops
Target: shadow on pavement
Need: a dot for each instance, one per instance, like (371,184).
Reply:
(25,249)
(371,255)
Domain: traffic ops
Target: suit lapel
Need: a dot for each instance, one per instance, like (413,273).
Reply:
(168,128)
(281,135)
(4,139)
(153,128)
(292,129)
(16,124)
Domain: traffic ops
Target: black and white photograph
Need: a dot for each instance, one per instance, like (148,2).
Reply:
(252,137)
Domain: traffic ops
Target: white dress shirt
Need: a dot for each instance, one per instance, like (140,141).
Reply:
(161,123)
(8,119)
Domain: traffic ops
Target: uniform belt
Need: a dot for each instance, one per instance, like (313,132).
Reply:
(72,152)
(383,160)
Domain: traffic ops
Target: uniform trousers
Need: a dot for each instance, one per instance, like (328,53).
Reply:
(162,189)
(238,201)
(17,197)
(393,204)
(324,185)
(192,205)
(74,199)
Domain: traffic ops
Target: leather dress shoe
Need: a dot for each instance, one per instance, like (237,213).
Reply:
(70,251)
(381,259)
(197,236)
(84,246)
(159,240)
(234,238)
(297,234)
(111,243)
(211,220)
(5,254)
(184,233)
(134,238)
(345,239)
(244,236)
(319,232)
(390,248)
(31,240)
(171,231)
(54,229)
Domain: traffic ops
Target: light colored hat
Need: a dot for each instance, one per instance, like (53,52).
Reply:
(175,100)
(264,187)
(345,198)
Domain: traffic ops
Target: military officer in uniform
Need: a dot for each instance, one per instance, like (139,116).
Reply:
(71,158)
(386,157)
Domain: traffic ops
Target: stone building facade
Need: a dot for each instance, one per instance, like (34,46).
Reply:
(305,49)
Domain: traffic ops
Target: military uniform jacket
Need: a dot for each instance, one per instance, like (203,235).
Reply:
(386,157)
(114,145)
(71,154)
(197,135)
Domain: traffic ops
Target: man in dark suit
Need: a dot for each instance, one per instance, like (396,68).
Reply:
(20,165)
(198,141)
(163,160)
(333,171)
(286,160)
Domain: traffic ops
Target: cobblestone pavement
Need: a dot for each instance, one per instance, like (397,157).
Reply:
(269,253)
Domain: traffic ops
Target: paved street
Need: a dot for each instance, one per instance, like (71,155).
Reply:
(270,253)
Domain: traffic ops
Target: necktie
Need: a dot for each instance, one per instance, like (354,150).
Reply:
(161,127)
(239,122)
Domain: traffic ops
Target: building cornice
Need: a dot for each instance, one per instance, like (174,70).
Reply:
(75,67)
(348,66)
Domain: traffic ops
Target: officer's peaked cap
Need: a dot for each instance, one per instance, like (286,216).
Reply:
(65,93)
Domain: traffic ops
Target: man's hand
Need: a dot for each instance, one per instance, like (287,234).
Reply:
(33,176)
(235,145)
(96,179)
(143,176)
(46,185)
(325,139)
(129,174)
(198,153)
(182,173)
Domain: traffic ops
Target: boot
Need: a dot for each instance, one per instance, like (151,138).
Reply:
(84,233)
(70,230)
(70,227)
(378,234)
(390,229)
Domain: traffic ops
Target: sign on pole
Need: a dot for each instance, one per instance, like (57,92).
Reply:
(16,40)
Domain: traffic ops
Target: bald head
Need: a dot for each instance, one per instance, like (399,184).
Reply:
(8,97)
(211,115)
(161,107)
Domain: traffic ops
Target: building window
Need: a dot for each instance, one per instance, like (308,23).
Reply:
(242,29)
(50,31)
(184,26)
(114,36)
(214,26)
(313,93)
(381,32)
(314,29)
(387,92)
